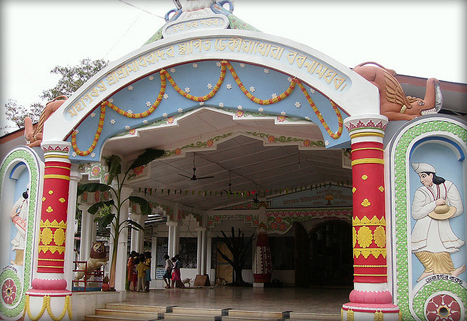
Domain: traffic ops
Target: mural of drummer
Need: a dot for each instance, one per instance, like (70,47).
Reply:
(19,215)
(433,205)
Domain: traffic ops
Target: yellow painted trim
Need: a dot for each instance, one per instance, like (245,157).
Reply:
(368,161)
(61,167)
(370,266)
(357,135)
(50,266)
(67,178)
(56,156)
(367,148)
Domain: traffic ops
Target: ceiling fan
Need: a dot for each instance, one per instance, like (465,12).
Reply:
(194,177)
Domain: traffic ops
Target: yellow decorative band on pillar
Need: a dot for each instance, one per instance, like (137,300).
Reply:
(369,266)
(67,178)
(50,266)
(61,167)
(357,274)
(367,148)
(376,252)
(56,156)
(356,135)
(52,249)
(368,161)
(365,221)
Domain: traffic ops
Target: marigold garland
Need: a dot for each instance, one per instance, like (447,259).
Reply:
(253,98)
(164,75)
(199,98)
(335,135)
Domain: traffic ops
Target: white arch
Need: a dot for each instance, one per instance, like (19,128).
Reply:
(348,89)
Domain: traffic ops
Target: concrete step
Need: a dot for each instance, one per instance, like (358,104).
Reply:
(143,315)
(137,307)
(257,314)
(103,317)
(192,317)
(199,311)
(251,318)
(296,316)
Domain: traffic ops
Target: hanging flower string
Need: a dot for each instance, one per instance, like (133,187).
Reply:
(164,75)
(335,135)
(150,110)
(253,98)
(100,127)
(199,98)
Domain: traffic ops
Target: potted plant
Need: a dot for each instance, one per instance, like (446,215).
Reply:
(105,283)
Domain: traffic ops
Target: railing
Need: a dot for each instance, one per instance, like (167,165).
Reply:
(92,277)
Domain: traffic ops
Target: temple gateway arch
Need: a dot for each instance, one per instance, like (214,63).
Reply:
(201,82)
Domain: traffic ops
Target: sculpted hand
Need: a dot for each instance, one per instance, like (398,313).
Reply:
(440,201)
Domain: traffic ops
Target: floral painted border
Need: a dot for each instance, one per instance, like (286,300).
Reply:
(26,155)
(267,138)
(281,221)
(399,165)
(253,219)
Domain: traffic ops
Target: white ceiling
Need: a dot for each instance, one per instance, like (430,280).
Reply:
(243,160)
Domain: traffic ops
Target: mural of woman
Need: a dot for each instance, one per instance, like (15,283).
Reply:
(433,205)
(19,215)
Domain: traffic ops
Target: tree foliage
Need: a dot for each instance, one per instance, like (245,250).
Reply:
(239,247)
(71,79)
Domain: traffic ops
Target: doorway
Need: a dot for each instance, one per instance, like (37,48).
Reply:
(331,260)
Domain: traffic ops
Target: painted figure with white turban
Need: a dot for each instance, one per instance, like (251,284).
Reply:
(19,216)
(433,205)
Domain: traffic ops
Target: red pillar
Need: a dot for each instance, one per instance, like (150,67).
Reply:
(371,298)
(49,286)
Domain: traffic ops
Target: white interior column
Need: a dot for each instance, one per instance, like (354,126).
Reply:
(86,230)
(171,242)
(176,240)
(199,255)
(137,236)
(75,177)
(154,257)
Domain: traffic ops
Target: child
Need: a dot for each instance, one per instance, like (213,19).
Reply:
(141,268)
(168,271)
(147,262)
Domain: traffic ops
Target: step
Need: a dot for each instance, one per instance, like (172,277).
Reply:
(137,307)
(128,314)
(251,318)
(296,316)
(192,317)
(257,314)
(103,317)
(199,311)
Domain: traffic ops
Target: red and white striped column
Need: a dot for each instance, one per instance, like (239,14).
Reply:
(371,298)
(49,299)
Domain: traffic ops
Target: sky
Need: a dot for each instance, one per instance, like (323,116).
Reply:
(413,37)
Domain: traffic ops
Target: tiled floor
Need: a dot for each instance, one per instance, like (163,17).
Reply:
(311,300)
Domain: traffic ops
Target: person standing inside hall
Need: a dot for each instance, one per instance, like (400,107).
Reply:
(131,270)
(168,271)
(141,268)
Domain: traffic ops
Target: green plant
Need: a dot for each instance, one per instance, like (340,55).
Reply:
(107,218)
